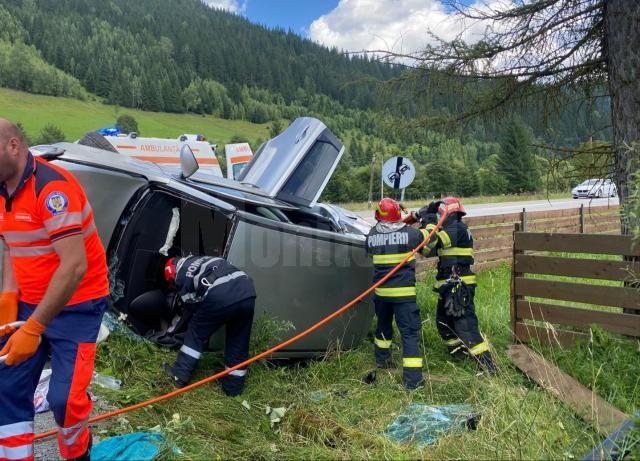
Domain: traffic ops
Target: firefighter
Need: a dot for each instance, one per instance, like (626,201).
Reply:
(216,294)
(390,241)
(455,284)
(54,280)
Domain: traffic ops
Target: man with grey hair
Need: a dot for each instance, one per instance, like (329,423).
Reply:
(55,286)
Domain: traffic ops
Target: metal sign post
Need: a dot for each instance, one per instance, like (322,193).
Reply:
(398,173)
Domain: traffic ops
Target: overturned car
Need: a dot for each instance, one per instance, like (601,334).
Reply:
(305,263)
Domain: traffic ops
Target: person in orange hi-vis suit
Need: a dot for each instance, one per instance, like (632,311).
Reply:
(55,280)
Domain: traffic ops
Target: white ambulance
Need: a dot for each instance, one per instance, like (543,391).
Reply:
(238,156)
(166,152)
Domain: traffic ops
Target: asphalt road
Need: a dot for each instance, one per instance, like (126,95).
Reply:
(485,209)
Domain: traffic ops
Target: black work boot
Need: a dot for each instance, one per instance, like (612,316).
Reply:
(458,352)
(457,349)
(486,365)
(177,382)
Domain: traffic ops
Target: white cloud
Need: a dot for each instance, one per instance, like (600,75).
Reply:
(400,26)
(233,6)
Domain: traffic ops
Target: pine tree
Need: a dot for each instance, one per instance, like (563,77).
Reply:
(516,161)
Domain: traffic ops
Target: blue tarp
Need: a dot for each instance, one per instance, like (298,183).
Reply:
(422,425)
(139,446)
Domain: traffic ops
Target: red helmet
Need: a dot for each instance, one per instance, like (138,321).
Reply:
(388,210)
(170,271)
(452,205)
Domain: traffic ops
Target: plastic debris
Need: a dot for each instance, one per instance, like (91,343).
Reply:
(107,382)
(141,446)
(422,425)
(275,414)
(318,396)
(246,405)
(103,334)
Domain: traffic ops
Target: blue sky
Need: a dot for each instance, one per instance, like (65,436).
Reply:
(401,26)
(296,15)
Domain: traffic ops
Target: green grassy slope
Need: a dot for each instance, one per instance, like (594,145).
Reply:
(76,117)
(331,414)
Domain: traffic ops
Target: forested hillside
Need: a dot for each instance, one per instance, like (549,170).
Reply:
(181,56)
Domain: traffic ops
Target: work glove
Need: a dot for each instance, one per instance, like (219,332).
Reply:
(23,344)
(8,309)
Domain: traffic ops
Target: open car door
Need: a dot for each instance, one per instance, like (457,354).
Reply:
(296,165)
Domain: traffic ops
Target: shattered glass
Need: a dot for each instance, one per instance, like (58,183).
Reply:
(117,285)
(421,425)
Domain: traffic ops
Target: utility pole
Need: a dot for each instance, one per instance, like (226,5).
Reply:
(373,166)
(381,180)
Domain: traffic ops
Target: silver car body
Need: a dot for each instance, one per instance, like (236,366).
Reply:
(304,265)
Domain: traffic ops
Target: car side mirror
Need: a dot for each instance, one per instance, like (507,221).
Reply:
(188,163)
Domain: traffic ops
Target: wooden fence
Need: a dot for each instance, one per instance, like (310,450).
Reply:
(535,282)
(493,235)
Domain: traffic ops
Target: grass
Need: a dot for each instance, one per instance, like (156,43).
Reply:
(363,206)
(519,420)
(75,118)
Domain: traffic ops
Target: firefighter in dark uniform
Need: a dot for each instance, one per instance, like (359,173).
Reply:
(218,295)
(455,284)
(390,241)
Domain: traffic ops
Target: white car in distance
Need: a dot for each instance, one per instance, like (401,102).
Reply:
(595,188)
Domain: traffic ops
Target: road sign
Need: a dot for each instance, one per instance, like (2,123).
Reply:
(398,172)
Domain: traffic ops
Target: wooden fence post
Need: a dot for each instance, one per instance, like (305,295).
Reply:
(524,220)
(582,229)
(514,274)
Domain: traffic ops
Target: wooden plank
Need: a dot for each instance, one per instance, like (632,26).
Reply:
(587,404)
(625,324)
(555,222)
(491,231)
(499,242)
(490,255)
(493,219)
(628,298)
(490,264)
(577,267)
(547,336)
(581,243)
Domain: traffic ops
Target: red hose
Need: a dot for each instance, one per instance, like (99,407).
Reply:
(264,354)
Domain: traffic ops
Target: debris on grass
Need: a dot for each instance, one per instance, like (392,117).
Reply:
(421,425)
(275,414)
(141,446)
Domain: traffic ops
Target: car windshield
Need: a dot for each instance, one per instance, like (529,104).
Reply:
(590,182)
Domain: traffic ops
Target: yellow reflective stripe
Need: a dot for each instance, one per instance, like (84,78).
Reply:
(412,362)
(479,348)
(425,232)
(444,238)
(467,279)
(396,292)
(392,258)
(455,251)
(382,343)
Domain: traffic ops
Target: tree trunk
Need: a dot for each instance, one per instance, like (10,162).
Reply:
(622,52)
